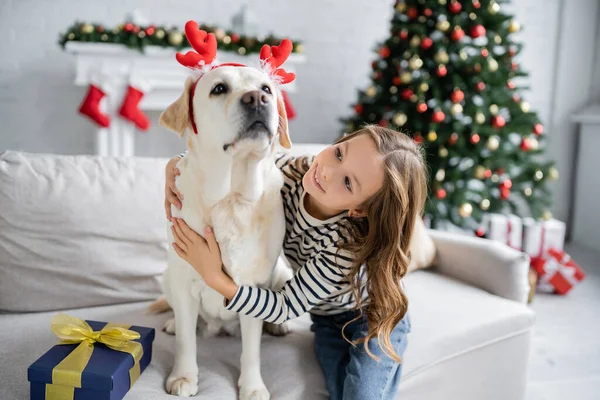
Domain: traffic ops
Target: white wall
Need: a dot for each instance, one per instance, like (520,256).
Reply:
(38,102)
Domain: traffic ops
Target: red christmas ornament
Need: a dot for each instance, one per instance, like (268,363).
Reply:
(480,232)
(136,29)
(457,96)
(150,31)
(383,123)
(129,27)
(484,52)
(510,84)
(453,139)
(500,171)
(99,29)
(440,194)
(480,86)
(504,193)
(487,174)
(538,129)
(442,71)
(516,98)
(428,12)
(457,34)
(422,107)
(235,38)
(512,52)
(426,43)
(407,93)
(374,64)
(525,144)
(403,34)
(438,117)
(358,108)
(412,13)
(507,183)
(474,138)
(514,66)
(455,7)
(384,51)
(477,31)
(396,81)
(498,121)
(476,4)
(477,67)
(418,139)
(377,75)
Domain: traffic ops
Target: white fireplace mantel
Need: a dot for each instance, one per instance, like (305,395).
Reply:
(157,65)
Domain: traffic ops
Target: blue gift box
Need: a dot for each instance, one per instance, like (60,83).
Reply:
(105,377)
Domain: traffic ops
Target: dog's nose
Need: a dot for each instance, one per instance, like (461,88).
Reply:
(254,99)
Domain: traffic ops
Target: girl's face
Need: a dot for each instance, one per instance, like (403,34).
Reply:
(344,176)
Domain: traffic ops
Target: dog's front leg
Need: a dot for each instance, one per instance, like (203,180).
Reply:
(183,380)
(251,383)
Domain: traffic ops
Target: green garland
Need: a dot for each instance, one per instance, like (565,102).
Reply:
(138,37)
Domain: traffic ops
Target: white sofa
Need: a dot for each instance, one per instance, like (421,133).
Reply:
(87,235)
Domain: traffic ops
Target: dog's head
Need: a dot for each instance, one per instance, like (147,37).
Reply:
(229,104)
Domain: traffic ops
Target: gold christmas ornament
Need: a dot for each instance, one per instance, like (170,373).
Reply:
(104,37)
(415,62)
(406,77)
(441,57)
(494,109)
(242,51)
(553,174)
(393,89)
(493,7)
(493,65)
(175,38)
(443,152)
(539,175)
(463,55)
(440,175)
(371,91)
(497,39)
(480,172)
(414,98)
(485,204)
(87,28)
(142,34)
(422,19)
(465,210)
(432,136)
(525,106)
(493,143)
(533,142)
(473,16)
(299,48)
(456,109)
(415,41)
(514,26)
(442,2)
(495,178)
(227,39)
(423,87)
(220,33)
(443,26)
(401,7)
(400,119)
(479,118)
(527,191)
(71,36)
(160,34)
(547,215)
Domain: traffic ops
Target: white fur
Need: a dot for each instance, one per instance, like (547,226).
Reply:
(238,193)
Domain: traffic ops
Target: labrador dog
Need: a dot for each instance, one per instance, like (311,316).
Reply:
(233,116)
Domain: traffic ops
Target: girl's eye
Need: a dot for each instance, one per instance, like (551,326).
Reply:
(338,153)
(348,185)
(219,89)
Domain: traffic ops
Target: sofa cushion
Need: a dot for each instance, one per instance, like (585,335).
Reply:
(449,320)
(79,231)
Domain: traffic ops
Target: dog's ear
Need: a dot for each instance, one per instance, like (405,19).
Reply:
(282,129)
(177,117)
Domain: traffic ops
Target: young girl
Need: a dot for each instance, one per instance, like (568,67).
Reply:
(350,213)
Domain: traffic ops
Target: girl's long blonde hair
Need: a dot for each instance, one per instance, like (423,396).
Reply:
(381,240)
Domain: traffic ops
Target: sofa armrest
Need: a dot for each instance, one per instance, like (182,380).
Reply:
(486,264)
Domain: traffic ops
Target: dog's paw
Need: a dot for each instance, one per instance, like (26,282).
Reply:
(169,326)
(182,386)
(278,329)
(254,393)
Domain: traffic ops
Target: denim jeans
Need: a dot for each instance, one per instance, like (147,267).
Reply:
(350,373)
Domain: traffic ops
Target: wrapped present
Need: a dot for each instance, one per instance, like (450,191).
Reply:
(507,229)
(539,236)
(557,272)
(94,360)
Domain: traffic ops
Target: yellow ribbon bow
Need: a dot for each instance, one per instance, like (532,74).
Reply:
(71,330)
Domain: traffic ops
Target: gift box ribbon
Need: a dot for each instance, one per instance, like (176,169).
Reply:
(66,376)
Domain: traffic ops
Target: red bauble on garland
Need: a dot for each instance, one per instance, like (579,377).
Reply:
(474,138)
(525,144)
(440,194)
(498,121)
(438,117)
(426,43)
(442,71)
(538,129)
(412,13)
(477,31)
(358,108)
(407,94)
(422,107)
(384,52)
(455,7)
(480,86)
(457,34)
(457,96)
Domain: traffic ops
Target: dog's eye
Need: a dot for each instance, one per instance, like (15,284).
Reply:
(266,89)
(219,89)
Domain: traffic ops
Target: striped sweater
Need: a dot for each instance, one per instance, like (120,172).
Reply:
(319,284)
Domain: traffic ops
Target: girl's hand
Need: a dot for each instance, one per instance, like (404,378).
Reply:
(202,254)
(172,195)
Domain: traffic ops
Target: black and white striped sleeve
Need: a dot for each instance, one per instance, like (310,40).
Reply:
(319,279)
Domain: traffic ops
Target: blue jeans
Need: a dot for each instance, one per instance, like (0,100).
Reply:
(350,373)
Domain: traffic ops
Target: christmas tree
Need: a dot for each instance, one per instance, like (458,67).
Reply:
(446,76)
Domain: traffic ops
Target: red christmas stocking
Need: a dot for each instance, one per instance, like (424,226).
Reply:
(90,106)
(130,107)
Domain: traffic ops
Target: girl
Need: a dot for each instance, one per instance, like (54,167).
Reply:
(350,213)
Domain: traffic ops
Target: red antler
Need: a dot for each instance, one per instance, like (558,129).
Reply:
(204,44)
(275,56)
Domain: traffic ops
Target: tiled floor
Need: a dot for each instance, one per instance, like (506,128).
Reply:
(565,355)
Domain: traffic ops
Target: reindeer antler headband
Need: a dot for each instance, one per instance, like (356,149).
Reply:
(203,59)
